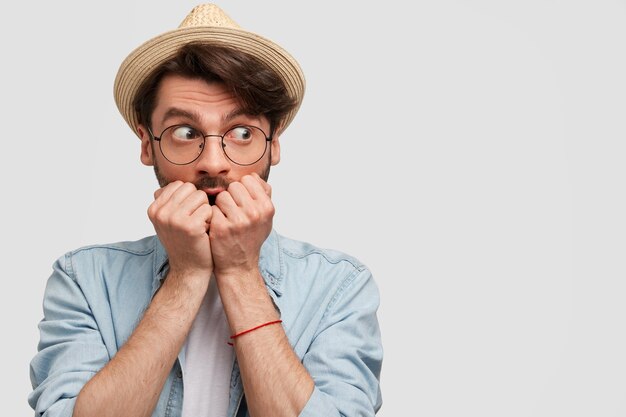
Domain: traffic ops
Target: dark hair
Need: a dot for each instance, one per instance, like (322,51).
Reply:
(257,88)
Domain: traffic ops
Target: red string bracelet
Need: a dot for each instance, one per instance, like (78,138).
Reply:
(254,328)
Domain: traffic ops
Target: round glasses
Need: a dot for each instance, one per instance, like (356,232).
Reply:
(183,144)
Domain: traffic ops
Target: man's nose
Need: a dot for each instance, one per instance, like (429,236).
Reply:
(213,160)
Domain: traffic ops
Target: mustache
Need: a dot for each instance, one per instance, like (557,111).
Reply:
(211,182)
(203,182)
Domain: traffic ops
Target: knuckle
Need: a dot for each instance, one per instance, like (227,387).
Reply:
(188,186)
(241,227)
(268,207)
(254,215)
(205,212)
(217,231)
(172,186)
(161,217)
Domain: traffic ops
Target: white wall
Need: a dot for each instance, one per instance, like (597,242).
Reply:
(470,152)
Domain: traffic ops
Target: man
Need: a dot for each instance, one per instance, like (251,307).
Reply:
(217,305)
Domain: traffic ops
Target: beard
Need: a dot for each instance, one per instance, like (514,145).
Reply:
(206,181)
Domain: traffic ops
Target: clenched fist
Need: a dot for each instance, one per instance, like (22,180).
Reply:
(181,215)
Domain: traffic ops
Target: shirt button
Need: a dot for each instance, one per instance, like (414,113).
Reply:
(179,374)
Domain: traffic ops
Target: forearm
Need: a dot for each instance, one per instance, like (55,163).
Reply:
(275,382)
(130,384)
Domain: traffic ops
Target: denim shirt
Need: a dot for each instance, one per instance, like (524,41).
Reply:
(97,295)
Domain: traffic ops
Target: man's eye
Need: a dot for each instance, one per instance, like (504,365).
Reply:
(185,133)
(241,133)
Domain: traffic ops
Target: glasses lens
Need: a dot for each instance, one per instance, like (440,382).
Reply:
(181,144)
(245,145)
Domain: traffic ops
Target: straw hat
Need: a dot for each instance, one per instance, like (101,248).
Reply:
(205,23)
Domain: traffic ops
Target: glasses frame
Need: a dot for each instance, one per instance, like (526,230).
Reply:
(158,139)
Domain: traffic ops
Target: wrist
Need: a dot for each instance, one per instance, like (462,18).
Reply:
(246,299)
(186,272)
(191,280)
(176,302)
(238,272)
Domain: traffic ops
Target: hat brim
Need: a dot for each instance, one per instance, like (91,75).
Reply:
(151,54)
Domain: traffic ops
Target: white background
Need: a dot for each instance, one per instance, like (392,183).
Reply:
(471,153)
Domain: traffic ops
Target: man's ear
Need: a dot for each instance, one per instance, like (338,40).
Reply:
(147,157)
(275,146)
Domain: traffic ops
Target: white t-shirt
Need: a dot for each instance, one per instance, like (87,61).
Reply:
(208,360)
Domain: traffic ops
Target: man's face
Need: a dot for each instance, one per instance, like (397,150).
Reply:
(211,109)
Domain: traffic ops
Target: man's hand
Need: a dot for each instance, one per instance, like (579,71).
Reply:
(181,215)
(242,220)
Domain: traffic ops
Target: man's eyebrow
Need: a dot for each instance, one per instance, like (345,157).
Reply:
(176,112)
(195,116)
(236,113)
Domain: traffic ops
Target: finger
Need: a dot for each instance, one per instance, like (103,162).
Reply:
(239,194)
(266,187)
(204,214)
(191,203)
(217,219)
(255,187)
(163,194)
(161,197)
(227,205)
(182,193)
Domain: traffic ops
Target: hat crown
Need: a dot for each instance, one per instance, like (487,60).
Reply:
(206,23)
(208,15)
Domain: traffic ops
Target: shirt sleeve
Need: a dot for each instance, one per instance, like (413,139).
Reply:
(70,350)
(345,358)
